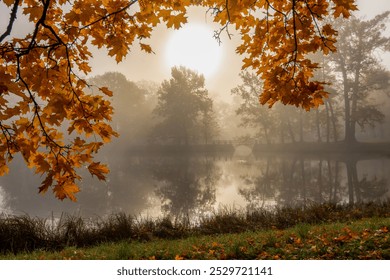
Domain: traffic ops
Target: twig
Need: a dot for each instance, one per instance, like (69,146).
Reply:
(11,21)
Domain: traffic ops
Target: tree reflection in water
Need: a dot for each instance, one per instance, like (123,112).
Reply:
(198,184)
(186,185)
(297,181)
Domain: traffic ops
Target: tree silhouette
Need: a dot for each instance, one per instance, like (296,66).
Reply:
(360,71)
(183,108)
(131,108)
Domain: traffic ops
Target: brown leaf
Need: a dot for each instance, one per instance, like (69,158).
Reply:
(98,170)
(106,91)
(66,190)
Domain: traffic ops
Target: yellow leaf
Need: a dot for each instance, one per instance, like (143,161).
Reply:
(146,48)
(8,2)
(41,164)
(177,21)
(35,12)
(106,91)
(118,48)
(85,67)
(46,183)
(3,168)
(98,170)
(66,190)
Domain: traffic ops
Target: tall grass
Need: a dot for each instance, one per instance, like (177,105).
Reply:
(26,234)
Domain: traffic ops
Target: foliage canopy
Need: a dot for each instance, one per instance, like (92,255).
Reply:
(43,91)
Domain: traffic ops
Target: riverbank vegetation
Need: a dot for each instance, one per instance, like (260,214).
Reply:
(366,239)
(319,231)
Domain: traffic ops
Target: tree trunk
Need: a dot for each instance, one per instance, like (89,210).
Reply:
(318,126)
(349,124)
(334,122)
(327,122)
(352,179)
(302,165)
(320,183)
(332,188)
(300,126)
(266,135)
(355,94)
(282,125)
(291,132)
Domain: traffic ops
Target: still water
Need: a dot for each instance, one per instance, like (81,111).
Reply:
(200,184)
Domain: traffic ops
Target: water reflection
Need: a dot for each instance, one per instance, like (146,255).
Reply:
(292,181)
(194,185)
(186,185)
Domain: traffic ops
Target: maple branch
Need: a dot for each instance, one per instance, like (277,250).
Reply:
(36,106)
(11,21)
(217,33)
(296,43)
(109,15)
(311,10)
(276,10)
(70,72)
(314,15)
(214,11)
(70,68)
(8,137)
(227,9)
(267,23)
(41,21)
(59,42)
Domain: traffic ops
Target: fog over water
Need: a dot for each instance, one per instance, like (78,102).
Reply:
(190,145)
(199,184)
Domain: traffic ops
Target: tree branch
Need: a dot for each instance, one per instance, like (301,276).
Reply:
(109,15)
(11,21)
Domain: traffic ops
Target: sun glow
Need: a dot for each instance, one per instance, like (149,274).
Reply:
(194,47)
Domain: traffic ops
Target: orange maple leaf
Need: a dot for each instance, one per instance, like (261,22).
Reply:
(98,170)
(176,21)
(106,91)
(66,190)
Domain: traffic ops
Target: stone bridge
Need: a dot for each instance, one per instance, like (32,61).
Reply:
(238,145)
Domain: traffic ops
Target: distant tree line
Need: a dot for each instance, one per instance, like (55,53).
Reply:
(358,85)
(180,111)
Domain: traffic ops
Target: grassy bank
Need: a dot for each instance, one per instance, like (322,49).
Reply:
(225,234)
(362,239)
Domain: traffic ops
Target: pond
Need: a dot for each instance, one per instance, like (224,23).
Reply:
(157,185)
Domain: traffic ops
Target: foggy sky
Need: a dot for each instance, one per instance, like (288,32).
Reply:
(141,66)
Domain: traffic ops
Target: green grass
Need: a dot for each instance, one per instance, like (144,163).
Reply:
(362,239)
(25,235)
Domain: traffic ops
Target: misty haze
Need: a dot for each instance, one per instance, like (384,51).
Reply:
(188,129)
(185,151)
(194,138)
